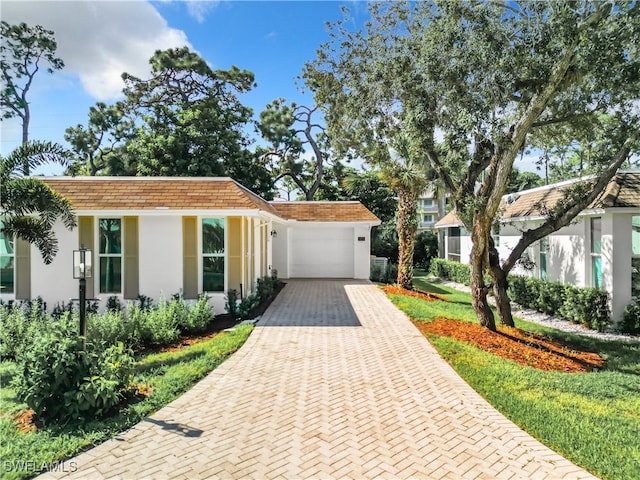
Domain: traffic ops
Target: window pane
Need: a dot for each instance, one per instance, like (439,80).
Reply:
(110,274)
(596,235)
(6,263)
(596,265)
(6,274)
(213,274)
(213,235)
(635,235)
(543,266)
(110,235)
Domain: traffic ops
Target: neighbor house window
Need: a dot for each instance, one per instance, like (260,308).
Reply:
(635,256)
(213,254)
(544,248)
(427,218)
(7,258)
(110,255)
(427,203)
(453,244)
(596,252)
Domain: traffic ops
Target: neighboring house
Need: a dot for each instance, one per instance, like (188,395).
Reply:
(160,236)
(600,248)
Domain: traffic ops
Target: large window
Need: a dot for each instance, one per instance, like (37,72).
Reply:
(213,254)
(110,255)
(596,252)
(635,256)
(453,244)
(7,257)
(427,218)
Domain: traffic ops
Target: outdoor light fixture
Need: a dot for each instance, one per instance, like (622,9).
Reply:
(274,234)
(83,269)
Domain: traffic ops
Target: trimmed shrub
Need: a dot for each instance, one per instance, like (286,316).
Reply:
(200,315)
(108,328)
(376,273)
(231,302)
(588,306)
(247,306)
(61,379)
(391,274)
(631,318)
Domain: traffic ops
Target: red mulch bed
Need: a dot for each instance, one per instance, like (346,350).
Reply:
(514,344)
(397,290)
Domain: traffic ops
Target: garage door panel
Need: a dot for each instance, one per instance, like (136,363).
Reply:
(322,253)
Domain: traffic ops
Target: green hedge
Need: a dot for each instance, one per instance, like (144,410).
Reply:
(631,319)
(588,306)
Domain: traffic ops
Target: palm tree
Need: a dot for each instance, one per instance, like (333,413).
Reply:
(28,207)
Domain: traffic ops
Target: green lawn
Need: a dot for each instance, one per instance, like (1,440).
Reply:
(591,418)
(168,375)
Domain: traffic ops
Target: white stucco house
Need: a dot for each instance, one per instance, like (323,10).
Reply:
(153,235)
(601,248)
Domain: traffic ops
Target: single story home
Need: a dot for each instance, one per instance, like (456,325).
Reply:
(600,248)
(160,236)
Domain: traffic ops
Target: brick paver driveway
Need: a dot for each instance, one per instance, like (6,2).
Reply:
(334,382)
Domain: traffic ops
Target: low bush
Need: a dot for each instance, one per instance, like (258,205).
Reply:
(231,302)
(391,273)
(247,306)
(376,273)
(63,379)
(19,325)
(588,306)
(631,318)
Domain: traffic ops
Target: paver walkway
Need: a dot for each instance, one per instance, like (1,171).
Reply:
(334,382)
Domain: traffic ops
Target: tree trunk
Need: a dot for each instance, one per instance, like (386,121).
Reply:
(500,285)
(25,135)
(478,263)
(407,227)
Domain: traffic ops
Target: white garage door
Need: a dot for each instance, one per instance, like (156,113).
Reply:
(321,253)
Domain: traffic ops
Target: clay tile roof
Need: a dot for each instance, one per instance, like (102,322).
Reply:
(325,212)
(147,193)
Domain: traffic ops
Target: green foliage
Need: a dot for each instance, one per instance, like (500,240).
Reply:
(247,306)
(376,273)
(391,273)
(23,52)
(19,325)
(454,271)
(114,304)
(29,207)
(61,379)
(166,374)
(631,318)
(426,249)
(231,302)
(108,328)
(588,306)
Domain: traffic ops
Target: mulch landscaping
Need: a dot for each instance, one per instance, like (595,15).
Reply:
(511,343)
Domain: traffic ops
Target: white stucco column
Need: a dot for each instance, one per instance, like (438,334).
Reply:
(616,261)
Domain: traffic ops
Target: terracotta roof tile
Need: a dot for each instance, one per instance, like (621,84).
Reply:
(325,211)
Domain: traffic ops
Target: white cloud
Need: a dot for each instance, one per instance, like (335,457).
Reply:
(98,40)
(199,9)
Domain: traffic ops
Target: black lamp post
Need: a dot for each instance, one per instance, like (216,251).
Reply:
(83,269)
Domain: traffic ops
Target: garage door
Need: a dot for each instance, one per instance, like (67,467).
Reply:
(321,253)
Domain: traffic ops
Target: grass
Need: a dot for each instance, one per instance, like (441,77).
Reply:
(593,418)
(167,375)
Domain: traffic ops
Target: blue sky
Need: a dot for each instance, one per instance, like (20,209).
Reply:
(99,40)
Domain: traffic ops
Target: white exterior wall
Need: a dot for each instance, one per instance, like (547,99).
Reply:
(160,256)
(55,282)
(362,252)
(616,248)
(279,252)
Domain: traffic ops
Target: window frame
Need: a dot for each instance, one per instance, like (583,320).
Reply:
(543,257)
(450,242)
(203,255)
(635,256)
(596,280)
(12,261)
(100,256)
